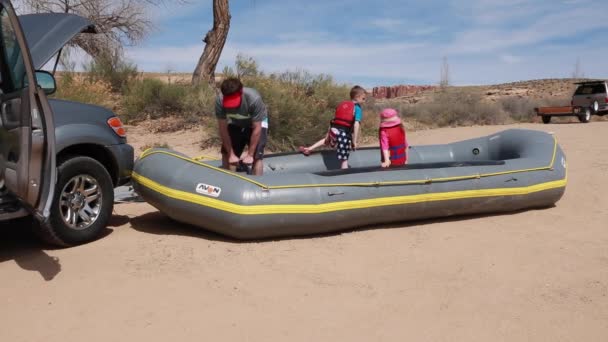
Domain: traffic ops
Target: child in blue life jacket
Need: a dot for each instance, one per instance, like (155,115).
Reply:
(393,140)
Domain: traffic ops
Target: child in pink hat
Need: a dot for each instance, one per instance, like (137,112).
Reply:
(393,140)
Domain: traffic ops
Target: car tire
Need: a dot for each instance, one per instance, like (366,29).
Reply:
(546,119)
(586,116)
(82,203)
(595,107)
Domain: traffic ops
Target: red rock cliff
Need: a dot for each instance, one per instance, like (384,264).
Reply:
(399,90)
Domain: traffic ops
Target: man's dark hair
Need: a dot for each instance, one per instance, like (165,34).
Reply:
(231,85)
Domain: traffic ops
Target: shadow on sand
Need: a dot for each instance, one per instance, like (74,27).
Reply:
(160,224)
(19,243)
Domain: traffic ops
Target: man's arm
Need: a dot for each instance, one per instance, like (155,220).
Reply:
(256,131)
(225,137)
(259,113)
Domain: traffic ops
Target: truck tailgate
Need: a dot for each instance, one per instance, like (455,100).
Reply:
(564,110)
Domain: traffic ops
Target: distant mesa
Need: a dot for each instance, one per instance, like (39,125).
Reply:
(399,91)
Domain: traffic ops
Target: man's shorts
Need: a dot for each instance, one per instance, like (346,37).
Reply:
(344,141)
(240,137)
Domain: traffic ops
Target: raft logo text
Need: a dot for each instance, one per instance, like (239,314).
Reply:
(208,190)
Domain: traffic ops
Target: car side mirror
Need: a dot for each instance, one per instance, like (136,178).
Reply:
(46,81)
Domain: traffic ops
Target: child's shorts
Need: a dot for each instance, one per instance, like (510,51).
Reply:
(344,141)
(332,137)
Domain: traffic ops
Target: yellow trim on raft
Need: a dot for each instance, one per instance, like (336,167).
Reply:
(269,209)
(144,155)
(203,157)
(363,184)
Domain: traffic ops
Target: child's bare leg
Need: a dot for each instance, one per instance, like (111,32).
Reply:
(307,150)
(344,164)
(317,144)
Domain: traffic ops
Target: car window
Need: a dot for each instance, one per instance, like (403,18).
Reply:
(599,89)
(583,90)
(587,89)
(11,54)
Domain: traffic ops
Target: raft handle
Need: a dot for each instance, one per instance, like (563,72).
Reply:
(334,193)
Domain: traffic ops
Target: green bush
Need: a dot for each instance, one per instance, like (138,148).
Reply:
(300,106)
(112,69)
(453,107)
(519,109)
(73,87)
(299,103)
(151,98)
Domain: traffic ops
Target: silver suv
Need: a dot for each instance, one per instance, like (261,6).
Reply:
(591,97)
(59,160)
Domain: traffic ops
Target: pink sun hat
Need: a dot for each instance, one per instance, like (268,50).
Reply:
(389,118)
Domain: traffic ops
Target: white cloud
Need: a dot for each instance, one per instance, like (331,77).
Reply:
(383,63)
(563,24)
(335,58)
(304,36)
(501,41)
(424,31)
(510,59)
(403,27)
(387,23)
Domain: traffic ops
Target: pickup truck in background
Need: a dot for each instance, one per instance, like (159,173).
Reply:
(589,98)
(59,160)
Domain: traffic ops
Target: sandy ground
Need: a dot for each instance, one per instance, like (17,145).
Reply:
(539,275)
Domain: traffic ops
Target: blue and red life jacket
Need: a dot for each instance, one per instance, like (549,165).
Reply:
(396,142)
(345,115)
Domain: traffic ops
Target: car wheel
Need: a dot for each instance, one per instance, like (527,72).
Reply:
(82,204)
(586,116)
(595,107)
(546,119)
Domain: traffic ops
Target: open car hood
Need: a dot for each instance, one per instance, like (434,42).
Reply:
(47,33)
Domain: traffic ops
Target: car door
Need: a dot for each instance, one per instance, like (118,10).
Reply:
(27,140)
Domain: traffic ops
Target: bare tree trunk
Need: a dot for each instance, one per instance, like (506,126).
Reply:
(444,79)
(214,40)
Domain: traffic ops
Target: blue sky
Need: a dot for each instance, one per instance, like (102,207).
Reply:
(386,42)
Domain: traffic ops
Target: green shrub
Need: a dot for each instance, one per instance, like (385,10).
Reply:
(73,87)
(453,107)
(152,98)
(299,104)
(520,109)
(199,101)
(112,69)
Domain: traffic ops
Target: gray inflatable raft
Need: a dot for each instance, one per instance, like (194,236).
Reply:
(299,195)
